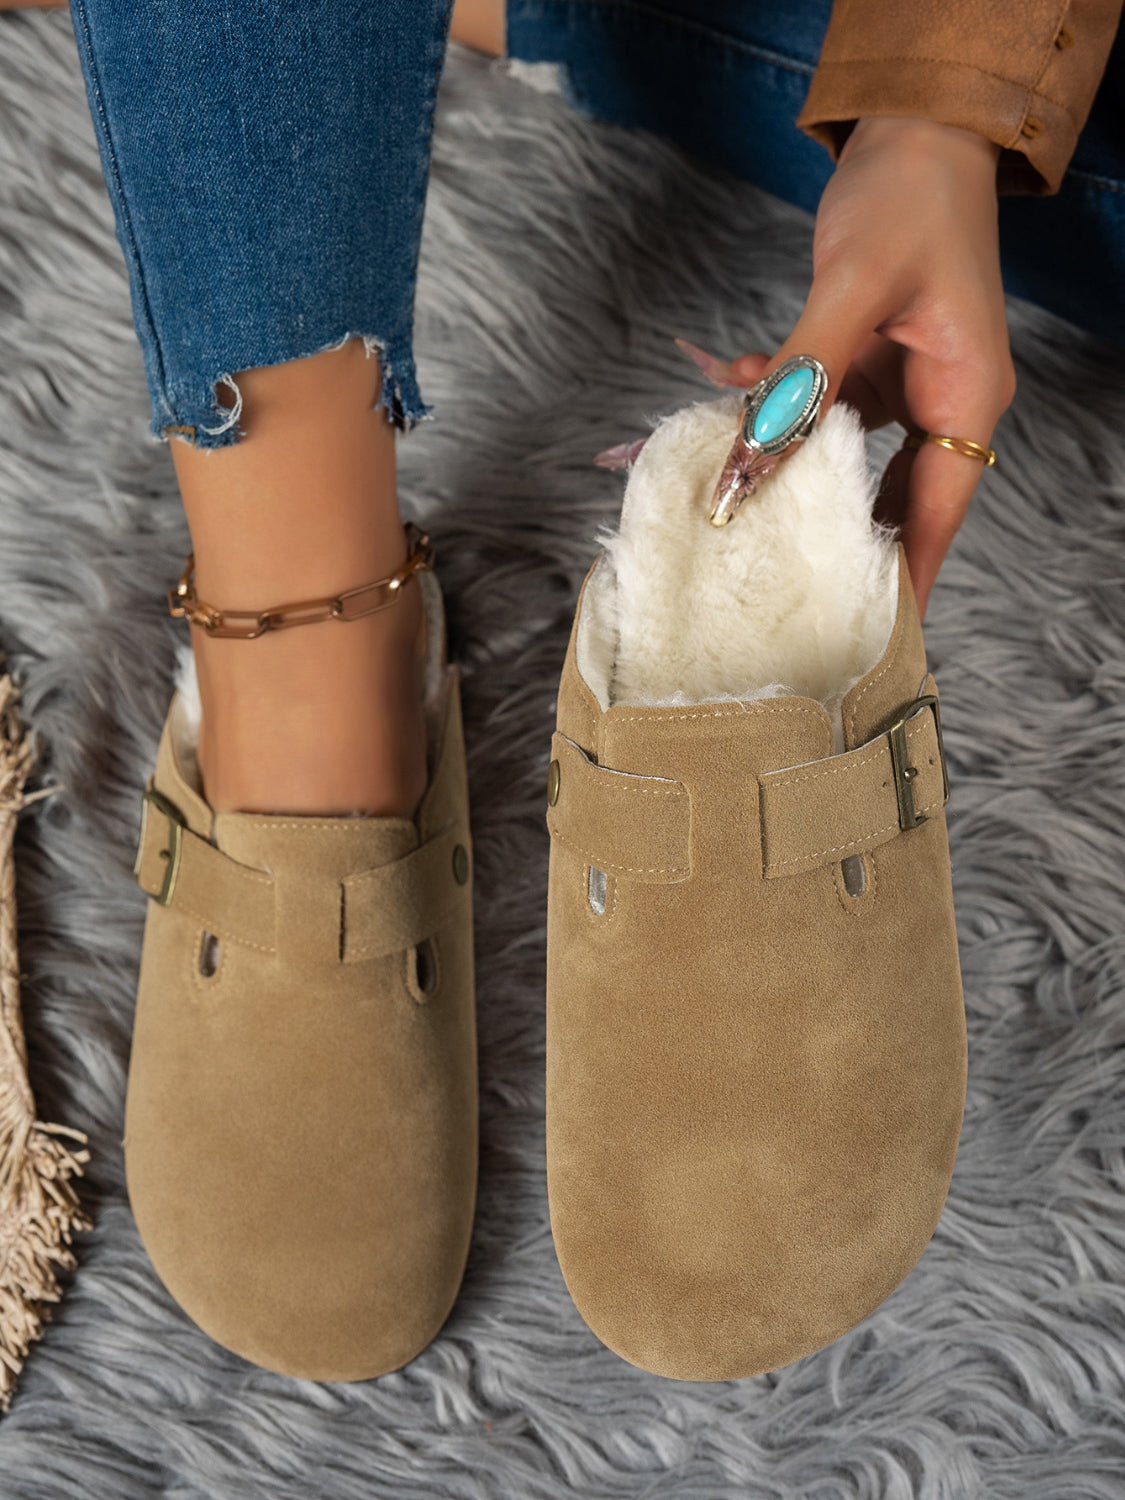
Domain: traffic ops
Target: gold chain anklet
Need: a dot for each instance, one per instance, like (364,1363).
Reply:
(355,604)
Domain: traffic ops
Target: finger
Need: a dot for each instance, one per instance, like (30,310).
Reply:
(717,371)
(747,368)
(868,385)
(964,398)
(855,388)
(867,393)
(939,487)
(874,384)
(839,318)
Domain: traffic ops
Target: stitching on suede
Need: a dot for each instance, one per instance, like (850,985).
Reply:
(612,780)
(246,872)
(645,791)
(817,775)
(189,911)
(350,824)
(719,713)
(797,859)
(804,777)
(608,865)
(891,656)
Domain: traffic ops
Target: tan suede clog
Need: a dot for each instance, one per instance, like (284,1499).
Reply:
(755,1028)
(301,1124)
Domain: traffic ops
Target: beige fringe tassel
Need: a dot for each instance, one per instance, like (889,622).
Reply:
(39,1211)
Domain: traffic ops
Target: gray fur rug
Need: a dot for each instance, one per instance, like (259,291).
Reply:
(560,260)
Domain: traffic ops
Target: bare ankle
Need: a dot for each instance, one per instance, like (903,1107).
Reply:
(323,719)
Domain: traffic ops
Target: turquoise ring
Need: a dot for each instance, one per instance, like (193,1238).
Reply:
(778,413)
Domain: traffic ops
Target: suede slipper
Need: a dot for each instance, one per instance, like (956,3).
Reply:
(301,1123)
(755,1027)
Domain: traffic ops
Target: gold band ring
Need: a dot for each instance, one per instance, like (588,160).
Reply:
(965,446)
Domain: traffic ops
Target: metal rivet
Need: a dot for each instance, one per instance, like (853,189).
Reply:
(460,864)
(554,775)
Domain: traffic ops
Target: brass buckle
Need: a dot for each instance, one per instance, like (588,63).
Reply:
(905,773)
(176,826)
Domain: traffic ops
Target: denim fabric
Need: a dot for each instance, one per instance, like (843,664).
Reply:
(727,78)
(267,164)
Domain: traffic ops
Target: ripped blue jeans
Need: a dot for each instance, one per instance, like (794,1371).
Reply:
(267,164)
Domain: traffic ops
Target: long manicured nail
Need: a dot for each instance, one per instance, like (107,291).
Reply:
(716,370)
(620,456)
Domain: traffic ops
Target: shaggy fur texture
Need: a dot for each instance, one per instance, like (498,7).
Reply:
(796,595)
(560,260)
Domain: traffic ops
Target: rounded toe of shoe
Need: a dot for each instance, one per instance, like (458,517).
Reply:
(318,1298)
(716,1289)
(704,1328)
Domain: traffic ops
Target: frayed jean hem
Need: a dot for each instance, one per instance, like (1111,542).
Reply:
(196,415)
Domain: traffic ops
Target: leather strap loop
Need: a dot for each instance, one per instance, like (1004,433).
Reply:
(816,814)
(634,826)
(397,906)
(179,869)
(385,910)
(821,813)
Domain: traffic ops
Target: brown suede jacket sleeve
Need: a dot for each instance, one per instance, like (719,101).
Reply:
(1023,73)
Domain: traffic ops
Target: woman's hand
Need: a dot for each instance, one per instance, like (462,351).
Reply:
(906,313)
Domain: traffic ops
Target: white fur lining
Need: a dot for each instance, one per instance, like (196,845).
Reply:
(797,595)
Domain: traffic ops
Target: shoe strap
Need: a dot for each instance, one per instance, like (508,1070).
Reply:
(816,814)
(385,910)
(397,906)
(186,873)
(821,813)
(633,826)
